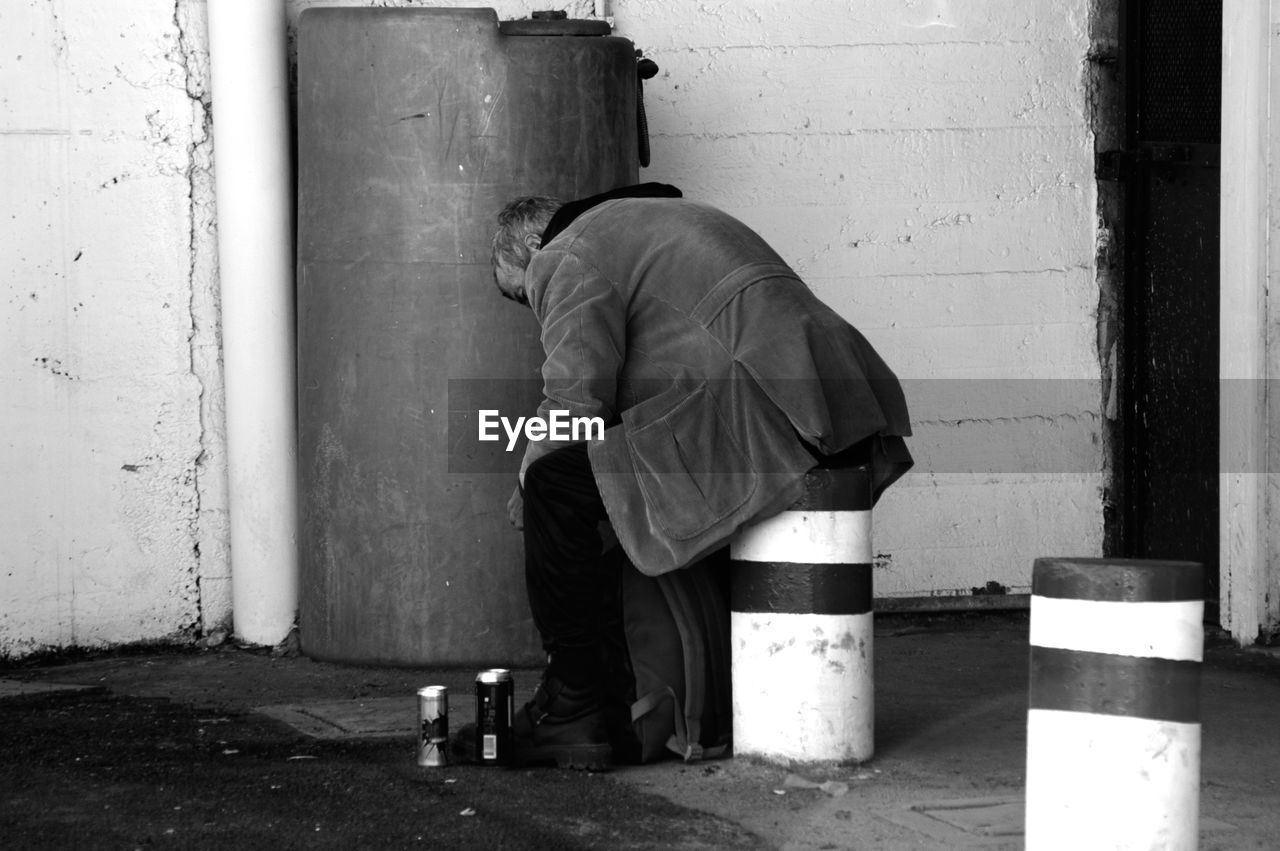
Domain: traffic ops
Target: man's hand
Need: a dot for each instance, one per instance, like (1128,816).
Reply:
(515,509)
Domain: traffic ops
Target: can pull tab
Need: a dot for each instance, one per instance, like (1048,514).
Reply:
(645,69)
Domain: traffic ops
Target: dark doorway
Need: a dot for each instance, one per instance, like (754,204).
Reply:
(1172,52)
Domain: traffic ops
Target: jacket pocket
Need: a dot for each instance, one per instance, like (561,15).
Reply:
(691,471)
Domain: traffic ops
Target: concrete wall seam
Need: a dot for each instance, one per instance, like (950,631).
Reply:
(210,521)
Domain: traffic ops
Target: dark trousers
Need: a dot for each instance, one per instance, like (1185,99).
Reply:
(574,583)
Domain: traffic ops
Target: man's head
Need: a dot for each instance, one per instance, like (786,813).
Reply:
(519,234)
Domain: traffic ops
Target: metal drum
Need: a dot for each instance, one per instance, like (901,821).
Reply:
(414,127)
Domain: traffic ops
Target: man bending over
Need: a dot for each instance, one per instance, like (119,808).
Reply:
(722,380)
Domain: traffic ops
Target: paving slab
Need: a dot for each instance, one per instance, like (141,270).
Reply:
(382,717)
(364,718)
(966,822)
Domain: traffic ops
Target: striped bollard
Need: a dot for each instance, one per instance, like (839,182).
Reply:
(1113,725)
(800,621)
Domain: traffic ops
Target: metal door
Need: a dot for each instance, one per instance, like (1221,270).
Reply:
(1169,460)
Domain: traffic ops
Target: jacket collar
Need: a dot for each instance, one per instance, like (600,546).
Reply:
(570,211)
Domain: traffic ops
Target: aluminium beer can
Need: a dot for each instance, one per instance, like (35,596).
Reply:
(495,709)
(433,726)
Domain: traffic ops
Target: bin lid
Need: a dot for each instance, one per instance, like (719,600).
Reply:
(555,23)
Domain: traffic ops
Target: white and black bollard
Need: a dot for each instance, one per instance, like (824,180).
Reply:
(801,625)
(1113,725)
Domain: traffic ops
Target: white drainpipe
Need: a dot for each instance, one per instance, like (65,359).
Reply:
(1244,483)
(253,181)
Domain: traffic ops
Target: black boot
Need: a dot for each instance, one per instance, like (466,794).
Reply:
(563,725)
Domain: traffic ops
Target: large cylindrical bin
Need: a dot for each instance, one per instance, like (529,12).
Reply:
(415,126)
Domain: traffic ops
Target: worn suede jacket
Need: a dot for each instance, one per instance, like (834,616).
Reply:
(718,372)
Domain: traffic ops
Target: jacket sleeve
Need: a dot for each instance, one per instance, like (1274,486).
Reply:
(583,337)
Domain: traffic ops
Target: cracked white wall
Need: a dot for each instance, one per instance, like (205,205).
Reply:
(112,508)
(927,165)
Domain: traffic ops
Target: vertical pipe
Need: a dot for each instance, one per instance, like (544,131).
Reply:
(1113,719)
(253,179)
(1243,272)
(801,626)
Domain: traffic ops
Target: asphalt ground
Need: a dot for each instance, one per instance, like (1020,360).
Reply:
(101,770)
(163,748)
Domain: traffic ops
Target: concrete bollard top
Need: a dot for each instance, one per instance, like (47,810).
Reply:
(1117,580)
(836,489)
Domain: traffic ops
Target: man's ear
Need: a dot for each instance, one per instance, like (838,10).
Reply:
(533,241)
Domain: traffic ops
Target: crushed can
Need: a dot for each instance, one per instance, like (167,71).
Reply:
(433,726)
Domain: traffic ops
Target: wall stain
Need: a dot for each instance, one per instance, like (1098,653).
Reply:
(55,366)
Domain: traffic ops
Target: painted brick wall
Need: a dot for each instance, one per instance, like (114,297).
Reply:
(925,165)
